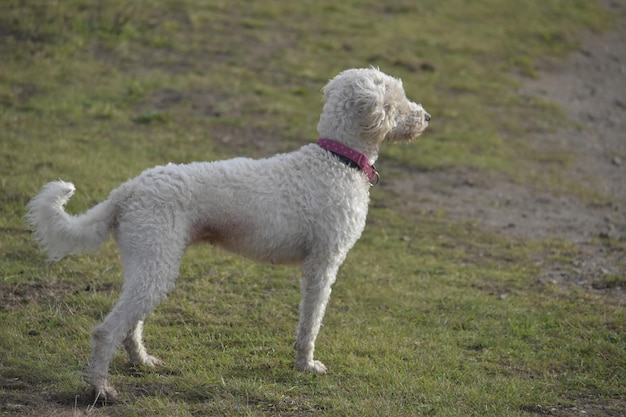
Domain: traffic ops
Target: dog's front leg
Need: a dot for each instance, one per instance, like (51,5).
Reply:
(316,287)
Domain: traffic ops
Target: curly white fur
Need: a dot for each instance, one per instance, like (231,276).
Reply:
(304,207)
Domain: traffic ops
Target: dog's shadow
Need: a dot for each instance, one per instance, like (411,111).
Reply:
(138,385)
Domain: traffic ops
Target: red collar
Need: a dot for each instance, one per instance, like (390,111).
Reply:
(359,159)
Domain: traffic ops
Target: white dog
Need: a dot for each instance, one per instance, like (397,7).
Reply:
(307,207)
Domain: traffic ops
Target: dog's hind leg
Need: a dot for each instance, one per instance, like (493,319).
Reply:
(316,287)
(136,350)
(147,279)
(105,339)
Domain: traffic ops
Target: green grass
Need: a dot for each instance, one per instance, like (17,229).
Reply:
(427,317)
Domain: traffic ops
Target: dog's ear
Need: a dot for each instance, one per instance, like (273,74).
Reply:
(370,108)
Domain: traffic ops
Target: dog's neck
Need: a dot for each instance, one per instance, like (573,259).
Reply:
(351,157)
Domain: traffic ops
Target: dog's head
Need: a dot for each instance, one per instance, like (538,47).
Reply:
(366,104)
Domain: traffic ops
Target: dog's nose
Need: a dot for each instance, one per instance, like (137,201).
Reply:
(427,117)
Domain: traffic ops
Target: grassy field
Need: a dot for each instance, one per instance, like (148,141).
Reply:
(428,317)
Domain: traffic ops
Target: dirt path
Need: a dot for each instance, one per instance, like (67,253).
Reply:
(590,86)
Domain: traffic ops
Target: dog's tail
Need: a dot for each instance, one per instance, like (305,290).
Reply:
(61,234)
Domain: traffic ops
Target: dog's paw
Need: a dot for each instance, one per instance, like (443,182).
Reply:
(319,367)
(152,361)
(146,360)
(315,367)
(104,395)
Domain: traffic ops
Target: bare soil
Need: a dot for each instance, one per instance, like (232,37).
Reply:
(590,86)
